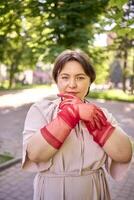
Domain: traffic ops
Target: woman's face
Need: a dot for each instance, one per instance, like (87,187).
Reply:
(73,80)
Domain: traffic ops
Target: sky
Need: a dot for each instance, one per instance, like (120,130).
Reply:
(100,40)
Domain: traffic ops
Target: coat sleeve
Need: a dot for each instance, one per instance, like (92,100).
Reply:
(118,170)
(37,117)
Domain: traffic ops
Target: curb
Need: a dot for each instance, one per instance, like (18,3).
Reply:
(9,163)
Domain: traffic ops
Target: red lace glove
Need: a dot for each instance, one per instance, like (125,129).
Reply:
(57,130)
(94,118)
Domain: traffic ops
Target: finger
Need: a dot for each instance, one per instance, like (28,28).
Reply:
(92,124)
(101,118)
(98,123)
(61,106)
(92,128)
(68,101)
(103,121)
(100,113)
(88,126)
(71,101)
(71,97)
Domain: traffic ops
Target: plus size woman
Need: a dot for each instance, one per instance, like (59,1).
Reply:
(69,141)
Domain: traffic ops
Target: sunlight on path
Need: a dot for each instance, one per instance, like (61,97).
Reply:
(26,96)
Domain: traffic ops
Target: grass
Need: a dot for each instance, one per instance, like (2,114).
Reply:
(113,94)
(22,87)
(4,158)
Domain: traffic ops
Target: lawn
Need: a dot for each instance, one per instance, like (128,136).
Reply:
(112,94)
(4,158)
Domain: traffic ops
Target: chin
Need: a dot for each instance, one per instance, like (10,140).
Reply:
(80,97)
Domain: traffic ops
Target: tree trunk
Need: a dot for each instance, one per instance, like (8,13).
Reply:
(132,78)
(11,76)
(124,69)
(132,84)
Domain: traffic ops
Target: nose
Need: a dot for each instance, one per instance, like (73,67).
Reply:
(72,83)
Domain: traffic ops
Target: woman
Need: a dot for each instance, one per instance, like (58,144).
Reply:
(68,141)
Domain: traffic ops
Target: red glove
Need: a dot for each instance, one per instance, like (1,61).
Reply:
(101,135)
(94,118)
(57,130)
(83,111)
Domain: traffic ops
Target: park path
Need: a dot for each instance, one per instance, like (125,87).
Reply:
(17,184)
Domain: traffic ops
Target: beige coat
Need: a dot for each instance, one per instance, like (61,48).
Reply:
(76,171)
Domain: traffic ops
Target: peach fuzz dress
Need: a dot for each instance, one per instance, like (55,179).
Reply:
(76,172)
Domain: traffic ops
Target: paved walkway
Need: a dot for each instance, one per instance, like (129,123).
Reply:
(13,110)
(16,184)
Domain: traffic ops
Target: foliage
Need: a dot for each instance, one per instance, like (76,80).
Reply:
(32,30)
(70,24)
(14,51)
(38,30)
(99,58)
(120,18)
(113,94)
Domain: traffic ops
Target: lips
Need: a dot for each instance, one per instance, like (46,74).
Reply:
(73,93)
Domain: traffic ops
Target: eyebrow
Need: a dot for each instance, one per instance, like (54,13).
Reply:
(80,74)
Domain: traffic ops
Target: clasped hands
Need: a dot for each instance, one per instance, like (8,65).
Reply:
(73,109)
(87,112)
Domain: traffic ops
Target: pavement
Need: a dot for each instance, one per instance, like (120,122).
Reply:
(15,184)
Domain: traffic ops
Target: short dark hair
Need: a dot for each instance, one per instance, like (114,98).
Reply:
(76,55)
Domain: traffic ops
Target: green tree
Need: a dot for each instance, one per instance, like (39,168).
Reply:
(120,16)
(70,24)
(15,50)
(32,30)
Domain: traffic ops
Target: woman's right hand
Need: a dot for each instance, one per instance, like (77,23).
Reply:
(92,115)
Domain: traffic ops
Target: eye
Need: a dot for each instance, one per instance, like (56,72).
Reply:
(80,78)
(64,77)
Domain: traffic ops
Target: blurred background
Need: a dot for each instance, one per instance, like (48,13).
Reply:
(34,32)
